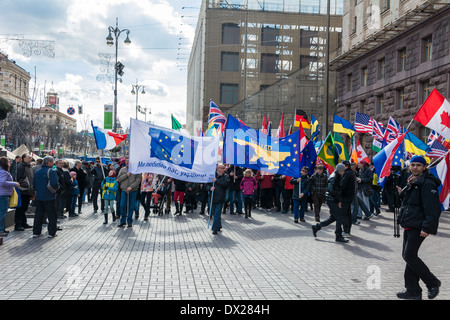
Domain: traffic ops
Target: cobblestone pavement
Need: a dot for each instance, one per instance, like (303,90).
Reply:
(266,257)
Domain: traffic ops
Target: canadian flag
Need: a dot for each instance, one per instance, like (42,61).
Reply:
(435,114)
(358,153)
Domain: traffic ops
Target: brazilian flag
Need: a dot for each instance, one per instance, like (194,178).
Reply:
(328,153)
(340,147)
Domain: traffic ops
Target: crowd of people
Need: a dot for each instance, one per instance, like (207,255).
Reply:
(351,192)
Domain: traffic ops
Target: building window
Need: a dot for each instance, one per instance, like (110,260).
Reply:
(355,23)
(269,63)
(381,69)
(230,61)
(426,90)
(230,33)
(363,106)
(364,76)
(380,104)
(424,134)
(349,82)
(400,99)
(229,93)
(401,60)
(269,36)
(308,37)
(348,108)
(427,48)
(386,5)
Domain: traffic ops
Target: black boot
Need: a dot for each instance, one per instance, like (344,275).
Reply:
(113,216)
(106,219)
(315,229)
(181,208)
(177,208)
(250,209)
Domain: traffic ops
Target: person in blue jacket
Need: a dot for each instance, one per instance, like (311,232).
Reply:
(45,198)
(302,187)
(75,192)
(109,190)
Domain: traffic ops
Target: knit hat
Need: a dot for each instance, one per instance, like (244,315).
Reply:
(72,173)
(419,159)
(340,167)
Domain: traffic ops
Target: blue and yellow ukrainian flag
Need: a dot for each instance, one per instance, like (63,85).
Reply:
(314,129)
(343,126)
(415,145)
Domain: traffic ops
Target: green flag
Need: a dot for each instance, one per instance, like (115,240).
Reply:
(341,149)
(327,153)
(175,124)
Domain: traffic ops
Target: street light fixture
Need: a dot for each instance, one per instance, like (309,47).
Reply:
(118,66)
(133,92)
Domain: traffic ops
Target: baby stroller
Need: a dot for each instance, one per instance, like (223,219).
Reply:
(158,199)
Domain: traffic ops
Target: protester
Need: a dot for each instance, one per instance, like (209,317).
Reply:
(110,186)
(148,181)
(45,199)
(99,173)
(168,182)
(204,195)
(266,190)
(278,186)
(364,187)
(287,194)
(302,186)
(348,191)
(75,193)
(68,180)
(129,185)
(6,189)
(14,165)
(218,189)
(25,179)
(318,188)
(178,199)
(234,192)
(375,198)
(81,178)
(61,194)
(419,216)
(248,186)
(89,182)
(392,181)
(334,202)
(190,196)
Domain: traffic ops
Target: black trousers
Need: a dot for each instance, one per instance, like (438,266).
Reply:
(415,269)
(96,191)
(20,219)
(287,199)
(346,208)
(45,208)
(145,199)
(336,215)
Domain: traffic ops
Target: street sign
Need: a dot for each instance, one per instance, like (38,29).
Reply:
(71,111)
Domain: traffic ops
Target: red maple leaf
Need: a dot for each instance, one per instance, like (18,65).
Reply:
(445,119)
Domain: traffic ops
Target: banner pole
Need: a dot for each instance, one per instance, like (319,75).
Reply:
(210,205)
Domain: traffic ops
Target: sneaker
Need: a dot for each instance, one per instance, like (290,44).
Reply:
(346,234)
(409,296)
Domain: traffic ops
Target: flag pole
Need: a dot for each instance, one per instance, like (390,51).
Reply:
(210,205)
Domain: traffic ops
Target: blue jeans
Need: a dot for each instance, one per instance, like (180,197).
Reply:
(235,195)
(4,204)
(73,205)
(300,208)
(127,205)
(216,214)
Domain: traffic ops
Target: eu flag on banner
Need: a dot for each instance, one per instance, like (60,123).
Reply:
(172,147)
(309,156)
(250,148)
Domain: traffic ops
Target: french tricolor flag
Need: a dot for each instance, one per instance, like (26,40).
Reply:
(442,172)
(106,139)
(383,159)
(435,114)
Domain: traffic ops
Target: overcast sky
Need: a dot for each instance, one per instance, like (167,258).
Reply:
(161,36)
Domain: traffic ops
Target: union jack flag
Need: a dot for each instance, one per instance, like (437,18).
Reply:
(378,131)
(363,123)
(393,130)
(216,116)
(437,150)
(435,136)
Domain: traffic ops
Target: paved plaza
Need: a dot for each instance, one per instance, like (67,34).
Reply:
(266,257)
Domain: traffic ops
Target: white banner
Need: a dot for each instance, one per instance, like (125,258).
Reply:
(172,153)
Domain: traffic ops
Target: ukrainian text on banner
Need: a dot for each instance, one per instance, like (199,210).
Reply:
(250,148)
(172,153)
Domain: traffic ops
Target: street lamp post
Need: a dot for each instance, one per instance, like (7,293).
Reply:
(110,42)
(135,91)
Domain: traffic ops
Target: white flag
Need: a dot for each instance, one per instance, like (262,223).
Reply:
(172,153)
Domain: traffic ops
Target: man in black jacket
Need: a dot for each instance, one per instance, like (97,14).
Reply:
(236,174)
(419,216)
(25,178)
(218,189)
(99,172)
(348,192)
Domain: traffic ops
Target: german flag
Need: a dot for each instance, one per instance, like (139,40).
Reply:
(301,118)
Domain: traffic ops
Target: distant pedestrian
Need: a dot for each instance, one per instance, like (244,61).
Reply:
(334,202)
(129,184)
(218,188)
(302,187)
(6,189)
(318,188)
(25,177)
(81,178)
(191,196)
(248,187)
(110,187)
(99,173)
(45,199)
(419,216)
(14,165)
(348,191)
(75,193)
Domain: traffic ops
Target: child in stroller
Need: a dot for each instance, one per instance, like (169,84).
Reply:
(158,198)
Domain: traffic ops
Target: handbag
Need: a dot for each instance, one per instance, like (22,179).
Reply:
(49,186)
(14,199)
